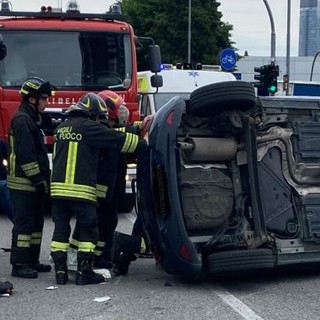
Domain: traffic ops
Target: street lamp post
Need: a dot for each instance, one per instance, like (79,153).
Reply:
(314,60)
(189,32)
(288,47)
(273,34)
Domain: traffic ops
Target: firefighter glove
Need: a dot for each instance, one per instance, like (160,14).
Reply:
(6,287)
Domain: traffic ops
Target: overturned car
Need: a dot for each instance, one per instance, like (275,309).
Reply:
(231,182)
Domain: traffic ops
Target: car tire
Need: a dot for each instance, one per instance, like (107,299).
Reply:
(210,100)
(240,260)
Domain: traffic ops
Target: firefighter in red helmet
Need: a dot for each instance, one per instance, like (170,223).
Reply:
(111,175)
(111,172)
(113,102)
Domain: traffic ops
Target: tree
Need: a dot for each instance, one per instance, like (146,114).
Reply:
(166,21)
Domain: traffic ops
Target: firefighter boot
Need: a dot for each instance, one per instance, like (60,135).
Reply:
(24,271)
(40,267)
(121,268)
(34,254)
(85,274)
(6,287)
(125,249)
(124,243)
(60,265)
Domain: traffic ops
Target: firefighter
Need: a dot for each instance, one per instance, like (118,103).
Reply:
(28,178)
(74,188)
(112,172)
(127,248)
(108,175)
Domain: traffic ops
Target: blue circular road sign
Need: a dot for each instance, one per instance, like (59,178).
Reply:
(228,59)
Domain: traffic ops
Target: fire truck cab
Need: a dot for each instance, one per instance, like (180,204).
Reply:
(76,52)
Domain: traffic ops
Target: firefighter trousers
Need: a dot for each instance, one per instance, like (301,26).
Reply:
(107,223)
(86,224)
(28,220)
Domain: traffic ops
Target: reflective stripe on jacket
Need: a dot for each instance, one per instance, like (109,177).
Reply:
(28,159)
(76,155)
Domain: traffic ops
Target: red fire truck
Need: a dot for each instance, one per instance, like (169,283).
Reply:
(76,52)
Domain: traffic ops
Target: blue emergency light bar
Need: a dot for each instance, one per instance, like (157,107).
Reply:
(5,6)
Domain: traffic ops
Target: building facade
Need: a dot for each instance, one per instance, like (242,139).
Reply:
(309,31)
(300,68)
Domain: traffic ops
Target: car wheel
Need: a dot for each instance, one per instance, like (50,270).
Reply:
(210,100)
(240,260)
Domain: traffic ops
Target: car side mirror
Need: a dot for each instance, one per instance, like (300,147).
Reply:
(156,81)
(155,58)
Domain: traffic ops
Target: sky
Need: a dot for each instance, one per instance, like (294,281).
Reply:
(250,20)
(252,27)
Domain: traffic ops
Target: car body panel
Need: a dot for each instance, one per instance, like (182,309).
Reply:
(239,190)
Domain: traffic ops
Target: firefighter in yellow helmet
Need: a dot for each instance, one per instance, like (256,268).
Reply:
(28,178)
(78,141)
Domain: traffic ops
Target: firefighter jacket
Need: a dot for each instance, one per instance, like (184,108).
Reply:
(28,159)
(112,168)
(76,155)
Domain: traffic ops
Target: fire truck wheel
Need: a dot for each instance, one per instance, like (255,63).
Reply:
(210,100)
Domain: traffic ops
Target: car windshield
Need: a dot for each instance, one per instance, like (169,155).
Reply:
(162,98)
(93,60)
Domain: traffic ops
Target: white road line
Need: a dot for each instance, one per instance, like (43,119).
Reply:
(236,304)
(226,296)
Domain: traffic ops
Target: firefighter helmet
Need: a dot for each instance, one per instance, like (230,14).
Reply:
(113,102)
(36,87)
(92,104)
(123,114)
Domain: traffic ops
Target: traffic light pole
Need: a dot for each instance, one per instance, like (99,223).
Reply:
(273,34)
(189,32)
(286,77)
(268,74)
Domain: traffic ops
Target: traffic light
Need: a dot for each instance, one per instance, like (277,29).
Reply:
(261,85)
(272,79)
(267,79)
(262,76)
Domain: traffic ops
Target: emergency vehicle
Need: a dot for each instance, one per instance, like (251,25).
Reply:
(176,82)
(76,52)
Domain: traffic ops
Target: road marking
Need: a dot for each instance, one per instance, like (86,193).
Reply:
(222,293)
(236,304)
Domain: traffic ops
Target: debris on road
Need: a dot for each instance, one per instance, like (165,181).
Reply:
(102,299)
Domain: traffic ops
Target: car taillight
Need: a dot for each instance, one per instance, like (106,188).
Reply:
(184,252)
(170,118)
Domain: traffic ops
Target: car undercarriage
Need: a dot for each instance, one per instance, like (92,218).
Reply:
(235,181)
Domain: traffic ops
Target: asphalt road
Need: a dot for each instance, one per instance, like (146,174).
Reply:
(148,292)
